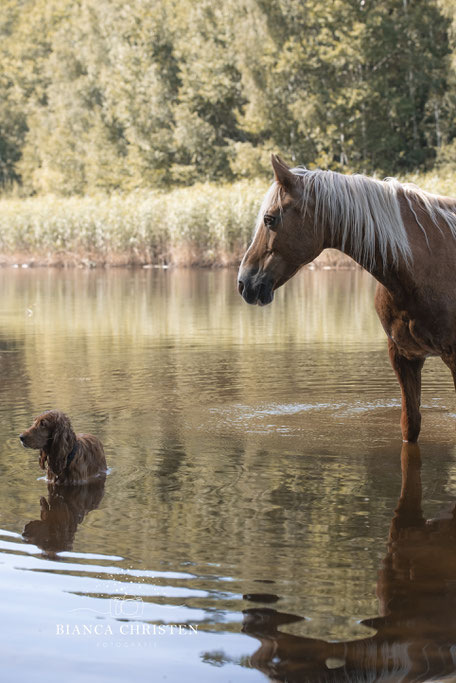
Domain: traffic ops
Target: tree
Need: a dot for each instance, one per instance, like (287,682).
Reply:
(102,95)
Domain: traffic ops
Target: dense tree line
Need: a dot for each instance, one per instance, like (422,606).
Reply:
(99,95)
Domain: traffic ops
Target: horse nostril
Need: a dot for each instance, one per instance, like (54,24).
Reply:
(22,437)
(240,287)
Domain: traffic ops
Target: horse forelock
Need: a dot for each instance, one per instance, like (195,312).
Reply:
(363,211)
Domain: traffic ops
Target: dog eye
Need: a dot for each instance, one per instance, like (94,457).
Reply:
(270,221)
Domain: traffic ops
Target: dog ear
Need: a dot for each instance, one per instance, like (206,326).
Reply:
(44,507)
(63,440)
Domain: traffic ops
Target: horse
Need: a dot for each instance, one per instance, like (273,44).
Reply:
(403,236)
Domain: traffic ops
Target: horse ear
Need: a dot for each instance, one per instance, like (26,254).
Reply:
(282,173)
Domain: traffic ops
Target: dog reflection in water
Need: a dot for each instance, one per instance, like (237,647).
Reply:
(416,634)
(61,514)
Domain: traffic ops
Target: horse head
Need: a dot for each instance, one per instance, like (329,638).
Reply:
(284,238)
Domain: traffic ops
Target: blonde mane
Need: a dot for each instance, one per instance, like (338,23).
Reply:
(363,210)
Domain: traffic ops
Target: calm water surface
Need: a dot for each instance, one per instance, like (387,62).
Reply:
(254,495)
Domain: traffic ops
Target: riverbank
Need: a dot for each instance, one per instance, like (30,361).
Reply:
(203,225)
(330,259)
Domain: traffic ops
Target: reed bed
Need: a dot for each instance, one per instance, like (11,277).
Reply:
(205,225)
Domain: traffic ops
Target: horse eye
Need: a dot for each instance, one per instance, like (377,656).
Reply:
(270,221)
(43,423)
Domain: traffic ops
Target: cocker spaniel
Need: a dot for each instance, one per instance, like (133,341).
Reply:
(69,458)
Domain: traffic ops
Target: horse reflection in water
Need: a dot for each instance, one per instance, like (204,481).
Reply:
(416,632)
(61,514)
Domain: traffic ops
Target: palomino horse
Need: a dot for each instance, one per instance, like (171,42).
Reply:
(404,237)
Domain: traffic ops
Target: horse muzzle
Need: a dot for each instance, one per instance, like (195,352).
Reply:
(256,288)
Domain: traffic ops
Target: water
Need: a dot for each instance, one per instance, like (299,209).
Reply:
(255,470)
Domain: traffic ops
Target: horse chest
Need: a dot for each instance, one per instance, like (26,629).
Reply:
(399,332)
(420,325)
(419,338)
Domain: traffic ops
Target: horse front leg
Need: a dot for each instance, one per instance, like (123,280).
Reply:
(408,373)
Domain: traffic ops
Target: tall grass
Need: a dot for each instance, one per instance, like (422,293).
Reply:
(200,225)
(439,181)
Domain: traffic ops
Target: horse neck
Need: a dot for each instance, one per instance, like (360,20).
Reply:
(393,276)
(376,267)
(363,218)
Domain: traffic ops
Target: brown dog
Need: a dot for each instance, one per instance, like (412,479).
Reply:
(70,459)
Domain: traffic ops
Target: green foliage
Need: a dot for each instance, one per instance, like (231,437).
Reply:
(103,95)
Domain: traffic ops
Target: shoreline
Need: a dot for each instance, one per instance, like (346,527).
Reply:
(330,259)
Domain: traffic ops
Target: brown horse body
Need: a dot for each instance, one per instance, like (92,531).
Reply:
(414,262)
